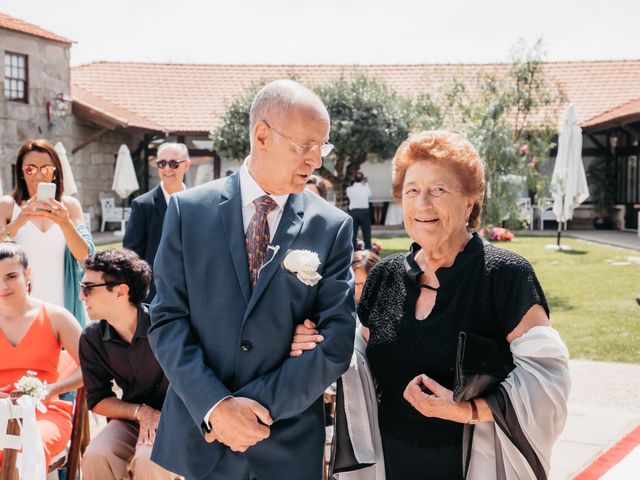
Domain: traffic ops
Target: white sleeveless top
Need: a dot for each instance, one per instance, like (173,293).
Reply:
(45,251)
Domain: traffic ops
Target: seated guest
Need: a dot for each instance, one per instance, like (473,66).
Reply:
(116,349)
(144,227)
(32,334)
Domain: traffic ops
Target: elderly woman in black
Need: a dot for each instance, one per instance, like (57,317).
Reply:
(415,305)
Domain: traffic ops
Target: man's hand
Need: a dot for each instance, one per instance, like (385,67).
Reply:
(239,423)
(148,418)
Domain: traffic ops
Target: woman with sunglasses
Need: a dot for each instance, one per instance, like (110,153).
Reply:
(52,233)
(32,334)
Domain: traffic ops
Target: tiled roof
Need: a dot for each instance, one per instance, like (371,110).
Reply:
(11,23)
(619,115)
(192,98)
(107,114)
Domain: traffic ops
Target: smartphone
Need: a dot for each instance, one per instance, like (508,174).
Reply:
(46,192)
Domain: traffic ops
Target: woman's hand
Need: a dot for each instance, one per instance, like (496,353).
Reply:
(56,212)
(433,400)
(305,337)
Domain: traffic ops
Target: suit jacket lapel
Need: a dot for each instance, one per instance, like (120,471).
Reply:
(159,203)
(288,229)
(231,215)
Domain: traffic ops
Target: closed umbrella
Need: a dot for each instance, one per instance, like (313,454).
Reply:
(568,183)
(70,187)
(125,181)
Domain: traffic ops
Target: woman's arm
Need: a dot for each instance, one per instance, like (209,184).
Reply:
(433,400)
(68,331)
(11,227)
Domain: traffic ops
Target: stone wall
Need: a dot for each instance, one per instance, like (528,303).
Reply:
(48,76)
(94,165)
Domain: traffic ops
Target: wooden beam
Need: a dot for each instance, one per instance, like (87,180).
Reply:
(597,142)
(633,131)
(91,139)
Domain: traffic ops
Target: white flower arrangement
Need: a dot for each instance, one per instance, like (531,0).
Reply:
(304,264)
(31,385)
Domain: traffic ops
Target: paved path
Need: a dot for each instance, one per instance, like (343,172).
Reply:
(604,406)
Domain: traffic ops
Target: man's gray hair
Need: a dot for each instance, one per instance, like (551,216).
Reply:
(276,99)
(180,147)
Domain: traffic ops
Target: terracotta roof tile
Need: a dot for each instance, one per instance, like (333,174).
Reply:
(11,23)
(618,115)
(192,97)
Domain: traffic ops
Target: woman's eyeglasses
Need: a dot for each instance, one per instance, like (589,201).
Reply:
(33,169)
(173,164)
(86,288)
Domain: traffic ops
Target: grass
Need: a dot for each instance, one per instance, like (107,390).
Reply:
(591,297)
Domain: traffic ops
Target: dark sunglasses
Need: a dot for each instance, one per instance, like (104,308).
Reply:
(86,288)
(173,164)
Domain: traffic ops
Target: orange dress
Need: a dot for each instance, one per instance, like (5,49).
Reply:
(39,351)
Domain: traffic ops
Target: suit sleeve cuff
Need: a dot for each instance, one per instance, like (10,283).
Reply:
(206,425)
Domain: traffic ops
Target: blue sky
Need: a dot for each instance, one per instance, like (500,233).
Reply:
(335,31)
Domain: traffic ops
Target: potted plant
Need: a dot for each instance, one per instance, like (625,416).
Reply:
(602,184)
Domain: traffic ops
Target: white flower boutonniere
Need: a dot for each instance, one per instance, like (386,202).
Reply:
(304,264)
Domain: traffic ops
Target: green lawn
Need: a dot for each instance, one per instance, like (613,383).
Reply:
(592,299)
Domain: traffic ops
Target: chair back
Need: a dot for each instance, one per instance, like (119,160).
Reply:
(8,470)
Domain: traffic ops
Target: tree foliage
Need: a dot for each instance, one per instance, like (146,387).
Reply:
(508,115)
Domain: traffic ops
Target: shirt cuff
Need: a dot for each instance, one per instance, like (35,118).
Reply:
(207,425)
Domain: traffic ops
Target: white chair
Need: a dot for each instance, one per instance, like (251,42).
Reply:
(525,211)
(111,213)
(545,212)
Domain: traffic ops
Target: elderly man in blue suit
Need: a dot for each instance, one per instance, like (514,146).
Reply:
(144,228)
(242,261)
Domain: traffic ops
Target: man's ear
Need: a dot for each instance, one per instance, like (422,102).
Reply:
(122,290)
(261,134)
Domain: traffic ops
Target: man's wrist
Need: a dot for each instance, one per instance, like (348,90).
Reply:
(207,423)
(137,410)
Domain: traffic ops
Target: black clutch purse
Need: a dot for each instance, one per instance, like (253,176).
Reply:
(481,364)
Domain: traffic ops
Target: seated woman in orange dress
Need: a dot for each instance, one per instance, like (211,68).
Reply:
(32,334)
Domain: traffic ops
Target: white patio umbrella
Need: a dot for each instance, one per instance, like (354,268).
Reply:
(125,181)
(70,187)
(568,183)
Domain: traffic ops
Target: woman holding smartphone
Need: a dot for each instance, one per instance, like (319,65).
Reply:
(49,227)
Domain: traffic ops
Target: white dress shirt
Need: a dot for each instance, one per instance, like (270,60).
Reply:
(166,194)
(250,190)
(359,194)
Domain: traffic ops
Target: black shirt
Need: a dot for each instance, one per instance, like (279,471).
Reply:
(105,356)
(486,291)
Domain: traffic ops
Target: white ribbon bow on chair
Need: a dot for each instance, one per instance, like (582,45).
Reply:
(31,463)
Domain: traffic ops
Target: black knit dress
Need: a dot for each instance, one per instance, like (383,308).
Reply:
(486,291)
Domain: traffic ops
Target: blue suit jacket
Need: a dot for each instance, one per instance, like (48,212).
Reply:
(144,228)
(214,337)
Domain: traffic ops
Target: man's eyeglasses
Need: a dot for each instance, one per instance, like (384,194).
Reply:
(86,288)
(173,164)
(33,169)
(325,149)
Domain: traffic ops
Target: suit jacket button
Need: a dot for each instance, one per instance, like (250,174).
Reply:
(246,345)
